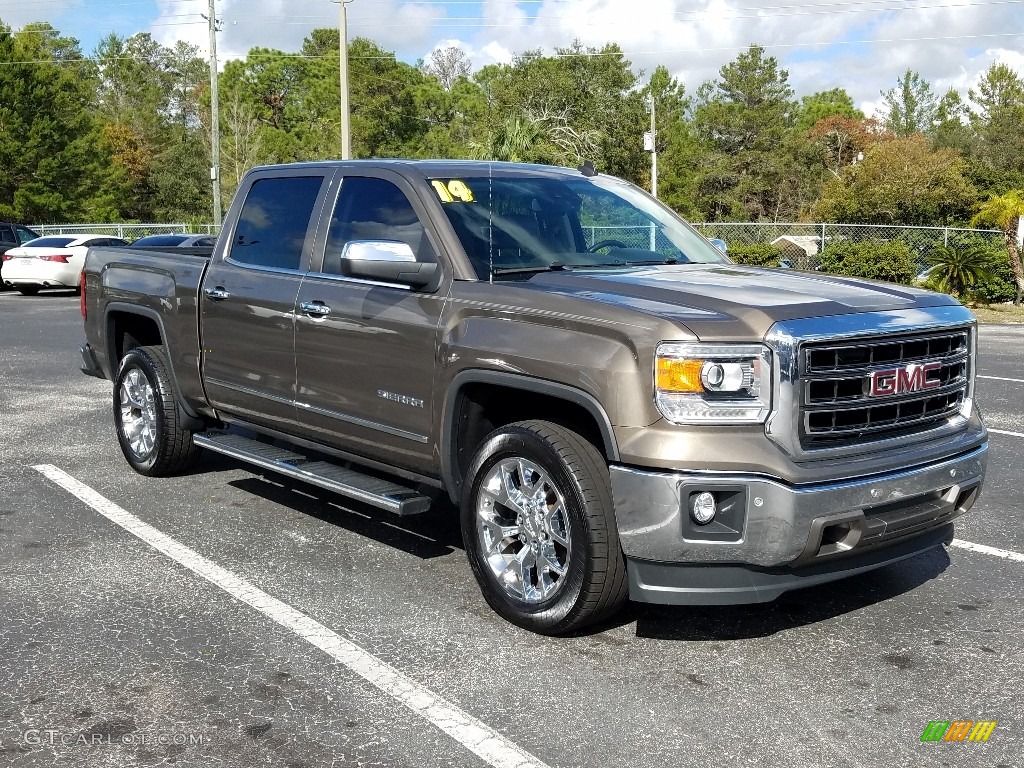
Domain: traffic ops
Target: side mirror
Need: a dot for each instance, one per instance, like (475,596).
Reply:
(389,261)
(720,244)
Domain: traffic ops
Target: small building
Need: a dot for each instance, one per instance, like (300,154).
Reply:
(801,250)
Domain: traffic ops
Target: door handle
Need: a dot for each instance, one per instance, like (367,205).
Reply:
(315,308)
(216,294)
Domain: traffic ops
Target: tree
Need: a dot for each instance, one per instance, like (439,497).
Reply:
(842,140)
(903,181)
(447,65)
(50,147)
(678,148)
(585,99)
(1005,211)
(952,128)
(742,118)
(823,104)
(998,120)
(910,107)
(960,270)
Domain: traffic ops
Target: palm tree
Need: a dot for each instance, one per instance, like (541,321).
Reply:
(1005,211)
(958,271)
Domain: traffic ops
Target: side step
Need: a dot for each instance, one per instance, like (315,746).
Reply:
(346,482)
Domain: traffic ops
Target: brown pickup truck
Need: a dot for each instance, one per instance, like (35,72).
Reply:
(616,409)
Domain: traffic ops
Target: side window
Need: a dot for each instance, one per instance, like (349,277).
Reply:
(272,226)
(373,209)
(7,234)
(25,234)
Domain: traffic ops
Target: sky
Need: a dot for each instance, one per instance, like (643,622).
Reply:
(860,45)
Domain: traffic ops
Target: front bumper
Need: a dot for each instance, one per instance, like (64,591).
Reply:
(780,536)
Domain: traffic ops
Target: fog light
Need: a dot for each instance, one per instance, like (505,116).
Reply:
(703,508)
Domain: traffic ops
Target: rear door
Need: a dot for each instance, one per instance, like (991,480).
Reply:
(365,368)
(248,296)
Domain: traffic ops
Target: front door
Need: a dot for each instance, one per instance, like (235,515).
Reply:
(365,351)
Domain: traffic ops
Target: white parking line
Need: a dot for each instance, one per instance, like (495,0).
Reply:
(475,735)
(1004,432)
(1000,378)
(1006,554)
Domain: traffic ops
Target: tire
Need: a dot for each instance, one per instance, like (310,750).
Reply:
(559,518)
(146,415)
(28,290)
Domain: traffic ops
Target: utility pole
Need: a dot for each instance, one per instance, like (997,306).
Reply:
(654,151)
(214,118)
(346,126)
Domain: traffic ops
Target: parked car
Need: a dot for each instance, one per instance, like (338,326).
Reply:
(50,262)
(11,236)
(175,241)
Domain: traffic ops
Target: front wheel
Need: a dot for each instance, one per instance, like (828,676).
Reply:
(539,528)
(146,415)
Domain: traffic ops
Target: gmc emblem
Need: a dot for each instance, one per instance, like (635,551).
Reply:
(897,381)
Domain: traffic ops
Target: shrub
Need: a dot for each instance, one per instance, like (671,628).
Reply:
(871,259)
(756,254)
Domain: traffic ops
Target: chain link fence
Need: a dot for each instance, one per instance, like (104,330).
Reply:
(802,244)
(129,232)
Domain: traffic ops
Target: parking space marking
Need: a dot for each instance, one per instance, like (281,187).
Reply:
(475,735)
(1001,378)
(1004,432)
(1006,554)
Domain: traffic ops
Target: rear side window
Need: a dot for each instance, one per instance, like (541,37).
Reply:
(272,226)
(25,234)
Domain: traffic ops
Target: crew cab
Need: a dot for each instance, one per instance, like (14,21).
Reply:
(616,409)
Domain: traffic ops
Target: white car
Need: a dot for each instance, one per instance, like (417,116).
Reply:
(54,261)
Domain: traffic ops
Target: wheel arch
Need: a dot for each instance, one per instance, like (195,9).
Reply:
(143,327)
(478,402)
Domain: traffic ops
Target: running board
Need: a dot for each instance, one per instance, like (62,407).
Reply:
(350,483)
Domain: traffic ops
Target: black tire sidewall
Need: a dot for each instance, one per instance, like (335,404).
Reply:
(138,360)
(547,614)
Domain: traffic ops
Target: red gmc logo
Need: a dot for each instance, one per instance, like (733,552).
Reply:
(896,381)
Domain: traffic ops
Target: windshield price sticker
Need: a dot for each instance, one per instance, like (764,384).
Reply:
(454,191)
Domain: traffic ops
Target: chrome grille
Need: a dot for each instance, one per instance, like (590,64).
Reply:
(841,406)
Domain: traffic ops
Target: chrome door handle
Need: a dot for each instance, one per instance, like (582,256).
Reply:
(315,308)
(216,294)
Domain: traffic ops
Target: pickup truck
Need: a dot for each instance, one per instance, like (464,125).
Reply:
(616,410)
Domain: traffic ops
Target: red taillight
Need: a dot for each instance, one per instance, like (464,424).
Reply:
(58,257)
(8,258)
(81,296)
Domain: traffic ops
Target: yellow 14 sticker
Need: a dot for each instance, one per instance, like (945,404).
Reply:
(452,191)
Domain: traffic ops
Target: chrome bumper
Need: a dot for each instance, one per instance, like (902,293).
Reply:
(765,523)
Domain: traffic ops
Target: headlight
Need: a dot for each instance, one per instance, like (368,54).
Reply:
(713,383)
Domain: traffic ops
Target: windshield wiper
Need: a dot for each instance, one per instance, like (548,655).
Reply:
(556,267)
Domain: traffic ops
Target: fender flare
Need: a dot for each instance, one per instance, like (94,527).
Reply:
(557,390)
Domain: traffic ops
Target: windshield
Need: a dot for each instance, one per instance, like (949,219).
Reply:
(515,224)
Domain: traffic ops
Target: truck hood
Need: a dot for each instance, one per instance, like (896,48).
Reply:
(724,301)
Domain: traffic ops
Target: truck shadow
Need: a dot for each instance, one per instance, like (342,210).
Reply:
(434,533)
(794,609)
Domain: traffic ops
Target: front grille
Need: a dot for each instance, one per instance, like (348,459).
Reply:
(873,389)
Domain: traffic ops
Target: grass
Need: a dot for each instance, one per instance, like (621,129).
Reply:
(999,313)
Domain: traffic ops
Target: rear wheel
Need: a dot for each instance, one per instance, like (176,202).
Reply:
(539,528)
(146,415)
(28,290)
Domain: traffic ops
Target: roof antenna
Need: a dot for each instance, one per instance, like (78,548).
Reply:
(588,169)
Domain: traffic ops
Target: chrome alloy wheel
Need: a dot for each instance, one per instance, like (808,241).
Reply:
(523,526)
(138,413)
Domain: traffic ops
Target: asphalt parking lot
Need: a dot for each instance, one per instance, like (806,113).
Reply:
(294,628)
